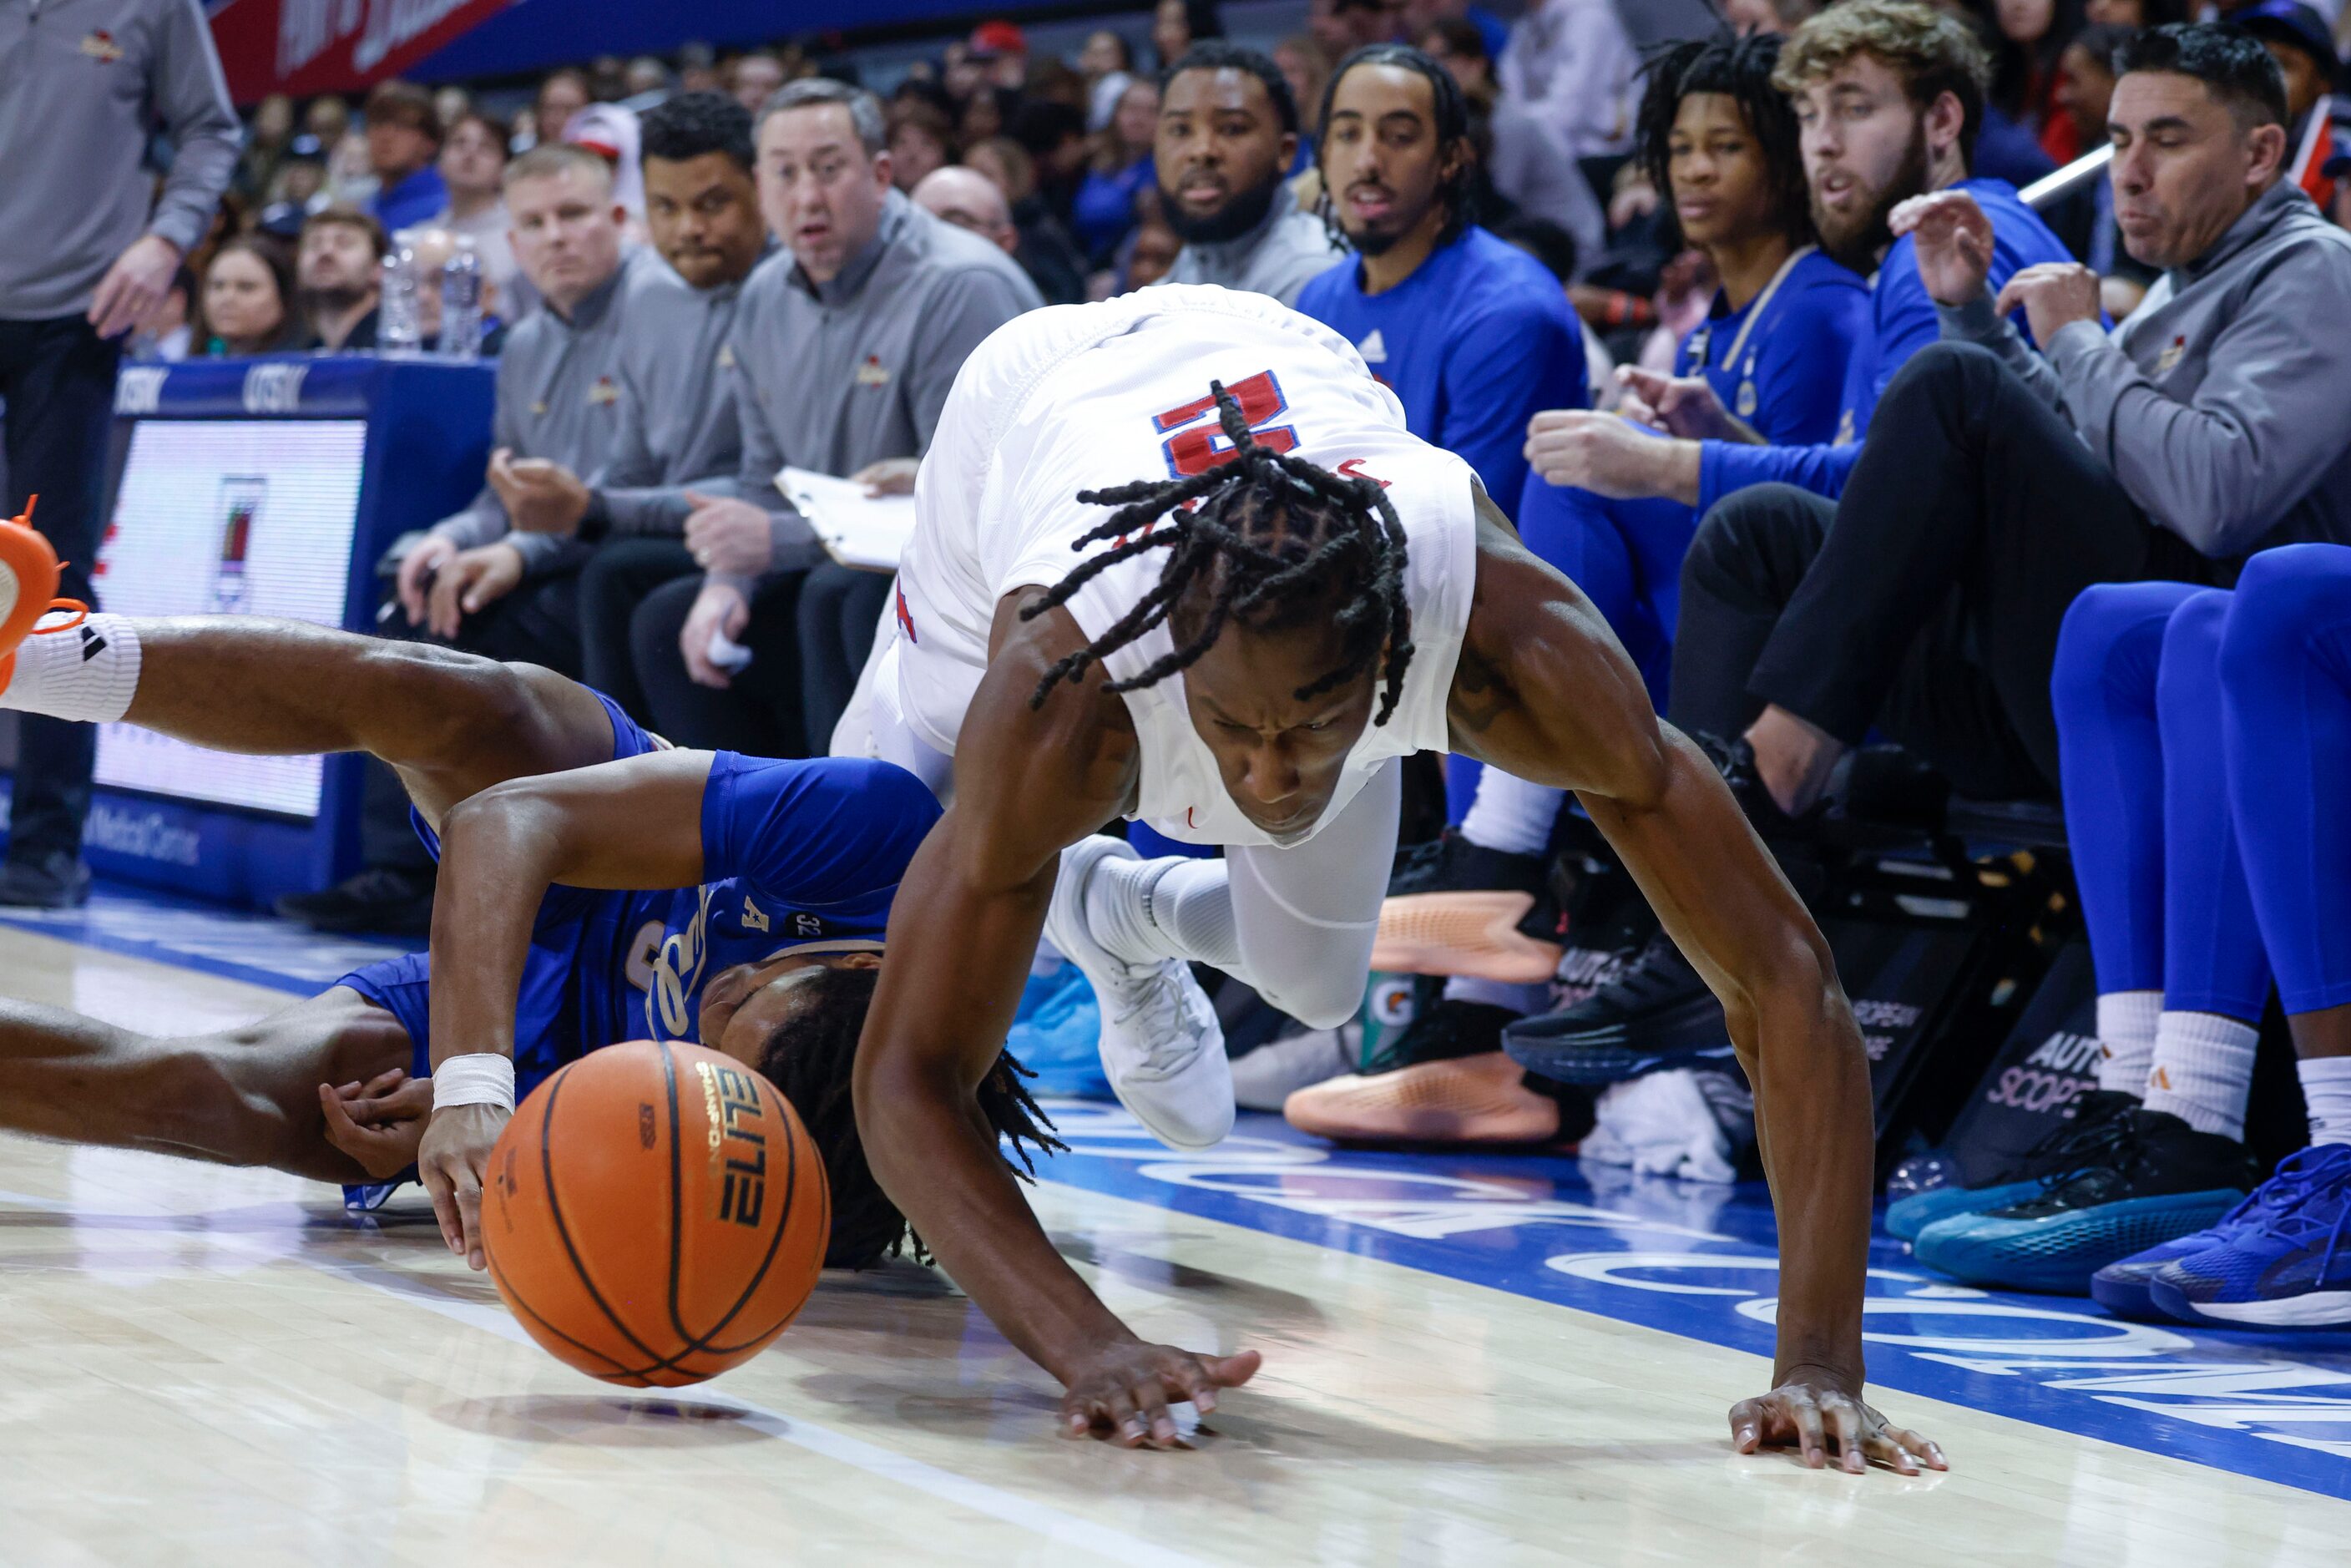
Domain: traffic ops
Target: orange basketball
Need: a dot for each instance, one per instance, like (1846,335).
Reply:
(655,1214)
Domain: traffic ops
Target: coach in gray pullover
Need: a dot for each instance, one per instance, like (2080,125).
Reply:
(87,250)
(558,398)
(845,346)
(2222,405)
(1994,485)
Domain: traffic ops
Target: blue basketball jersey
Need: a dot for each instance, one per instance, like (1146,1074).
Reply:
(793,854)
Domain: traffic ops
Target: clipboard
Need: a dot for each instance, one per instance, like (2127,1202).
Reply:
(869,532)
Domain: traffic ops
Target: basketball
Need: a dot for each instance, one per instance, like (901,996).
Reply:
(655,1214)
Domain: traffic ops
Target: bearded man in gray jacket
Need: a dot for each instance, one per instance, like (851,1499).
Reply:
(1997,482)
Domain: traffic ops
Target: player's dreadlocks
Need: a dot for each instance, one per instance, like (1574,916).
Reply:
(1275,538)
(1740,70)
(809,1058)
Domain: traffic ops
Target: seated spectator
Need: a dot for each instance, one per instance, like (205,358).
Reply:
(2200,734)
(271,128)
(1472,334)
(2297,38)
(1997,482)
(970,200)
(1121,168)
(922,138)
(1226,137)
(1149,254)
(678,435)
(1360,24)
(473,582)
(2086,86)
(1889,95)
(472,169)
(753,79)
(561,95)
(1571,63)
(1521,164)
(646,76)
(1722,144)
(1420,17)
(1305,65)
(248,299)
(297,188)
(403,142)
(340,272)
(1177,25)
(1107,63)
(1055,136)
(843,351)
(1002,51)
(2028,37)
(430,249)
(987,112)
(1047,254)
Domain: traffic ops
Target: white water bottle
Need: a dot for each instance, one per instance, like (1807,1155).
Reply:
(397,329)
(461,304)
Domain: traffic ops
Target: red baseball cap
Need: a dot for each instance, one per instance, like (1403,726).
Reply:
(998,37)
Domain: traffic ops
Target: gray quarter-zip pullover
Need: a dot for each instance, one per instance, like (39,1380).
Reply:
(2222,405)
(1276,257)
(559,397)
(80,81)
(834,376)
(678,427)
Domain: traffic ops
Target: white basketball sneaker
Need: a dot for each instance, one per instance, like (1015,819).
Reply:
(1162,1047)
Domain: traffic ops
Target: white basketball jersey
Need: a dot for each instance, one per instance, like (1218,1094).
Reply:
(1087,397)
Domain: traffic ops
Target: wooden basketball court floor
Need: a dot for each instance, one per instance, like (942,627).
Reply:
(1475,1361)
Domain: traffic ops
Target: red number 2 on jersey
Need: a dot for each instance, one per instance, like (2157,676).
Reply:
(1203,447)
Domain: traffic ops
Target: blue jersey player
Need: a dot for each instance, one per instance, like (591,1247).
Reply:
(596,886)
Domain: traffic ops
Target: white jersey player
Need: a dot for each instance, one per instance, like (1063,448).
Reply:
(1278,593)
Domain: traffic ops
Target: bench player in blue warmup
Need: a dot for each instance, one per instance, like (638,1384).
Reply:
(596,886)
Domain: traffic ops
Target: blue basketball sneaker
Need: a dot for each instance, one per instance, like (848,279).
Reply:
(2060,1153)
(2125,1289)
(2288,1266)
(2150,1179)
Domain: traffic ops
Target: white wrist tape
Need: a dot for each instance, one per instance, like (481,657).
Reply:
(484,1079)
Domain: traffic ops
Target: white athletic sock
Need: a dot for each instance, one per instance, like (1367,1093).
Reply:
(2126,1039)
(1149,911)
(2204,1071)
(1519,999)
(2326,1090)
(87,674)
(1510,814)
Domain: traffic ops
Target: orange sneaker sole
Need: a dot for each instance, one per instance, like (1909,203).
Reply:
(1471,934)
(1480,1099)
(28,581)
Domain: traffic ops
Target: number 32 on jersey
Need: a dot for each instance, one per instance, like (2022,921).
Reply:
(1198,443)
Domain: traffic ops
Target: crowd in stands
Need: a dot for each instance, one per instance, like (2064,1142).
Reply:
(1753,334)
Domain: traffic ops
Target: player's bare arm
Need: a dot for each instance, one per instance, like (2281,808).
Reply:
(633,823)
(1028,781)
(1544,691)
